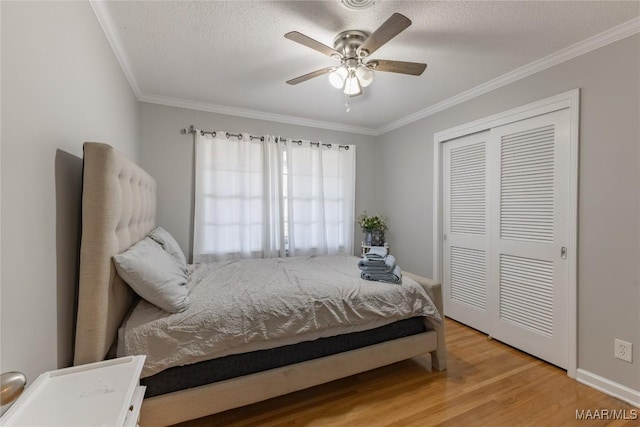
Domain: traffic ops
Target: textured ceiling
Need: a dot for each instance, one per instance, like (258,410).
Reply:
(233,54)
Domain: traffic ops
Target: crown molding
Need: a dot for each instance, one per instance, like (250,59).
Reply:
(108,27)
(587,45)
(599,40)
(106,22)
(252,114)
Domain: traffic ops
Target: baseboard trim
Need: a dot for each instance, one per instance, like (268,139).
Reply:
(609,387)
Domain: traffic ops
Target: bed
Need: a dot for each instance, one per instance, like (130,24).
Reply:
(118,203)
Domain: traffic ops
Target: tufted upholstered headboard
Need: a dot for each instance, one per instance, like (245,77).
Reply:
(118,209)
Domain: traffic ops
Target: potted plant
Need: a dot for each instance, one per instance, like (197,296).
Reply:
(374,227)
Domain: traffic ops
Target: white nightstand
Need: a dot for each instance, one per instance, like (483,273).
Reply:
(366,248)
(106,393)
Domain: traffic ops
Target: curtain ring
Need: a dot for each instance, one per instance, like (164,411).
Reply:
(328,145)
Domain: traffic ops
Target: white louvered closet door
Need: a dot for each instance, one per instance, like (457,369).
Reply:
(529,182)
(465,250)
(505,223)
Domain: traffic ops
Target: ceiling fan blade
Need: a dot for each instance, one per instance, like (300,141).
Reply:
(311,75)
(313,44)
(413,68)
(388,30)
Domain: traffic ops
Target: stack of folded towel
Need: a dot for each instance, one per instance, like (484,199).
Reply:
(380,266)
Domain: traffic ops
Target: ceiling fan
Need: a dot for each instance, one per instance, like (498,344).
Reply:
(352,48)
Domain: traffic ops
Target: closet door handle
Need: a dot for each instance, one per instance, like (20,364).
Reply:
(563,252)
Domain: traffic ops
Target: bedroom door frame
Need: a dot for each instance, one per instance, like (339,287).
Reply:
(568,100)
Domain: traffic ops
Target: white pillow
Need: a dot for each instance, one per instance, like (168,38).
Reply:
(154,275)
(166,240)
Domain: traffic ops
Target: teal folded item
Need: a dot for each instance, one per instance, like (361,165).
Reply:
(377,252)
(387,263)
(390,277)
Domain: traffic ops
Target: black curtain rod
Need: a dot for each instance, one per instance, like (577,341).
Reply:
(193,130)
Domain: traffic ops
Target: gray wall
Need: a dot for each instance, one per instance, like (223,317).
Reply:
(609,197)
(168,157)
(61,86)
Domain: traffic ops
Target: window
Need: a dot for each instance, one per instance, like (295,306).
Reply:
(266,199)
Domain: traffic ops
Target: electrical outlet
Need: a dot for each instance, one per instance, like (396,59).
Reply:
(623,350)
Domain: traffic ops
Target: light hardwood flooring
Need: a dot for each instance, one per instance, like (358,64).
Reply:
(487,383)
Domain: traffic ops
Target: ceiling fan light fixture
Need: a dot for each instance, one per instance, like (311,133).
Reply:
(352,48)
(365,75)
(338,77)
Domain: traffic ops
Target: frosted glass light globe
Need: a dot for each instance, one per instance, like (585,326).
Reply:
(352,86)
(338,77)
(365,75)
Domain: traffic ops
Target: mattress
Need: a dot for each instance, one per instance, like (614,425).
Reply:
(250,305)
(237,365)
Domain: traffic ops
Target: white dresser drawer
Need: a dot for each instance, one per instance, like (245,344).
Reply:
(133,415)
(106,393)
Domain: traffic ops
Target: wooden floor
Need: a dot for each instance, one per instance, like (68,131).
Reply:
(486,384)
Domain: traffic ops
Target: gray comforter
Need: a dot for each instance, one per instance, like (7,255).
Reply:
(248,305)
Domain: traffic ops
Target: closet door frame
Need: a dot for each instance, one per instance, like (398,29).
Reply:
(567,100)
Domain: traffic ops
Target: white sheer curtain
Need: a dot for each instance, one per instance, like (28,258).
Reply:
(320,198)
(263,199)
(238,198)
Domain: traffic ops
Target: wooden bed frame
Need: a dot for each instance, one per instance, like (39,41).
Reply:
(119,209)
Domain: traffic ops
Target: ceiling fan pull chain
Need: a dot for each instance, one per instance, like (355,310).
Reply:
(346,102)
